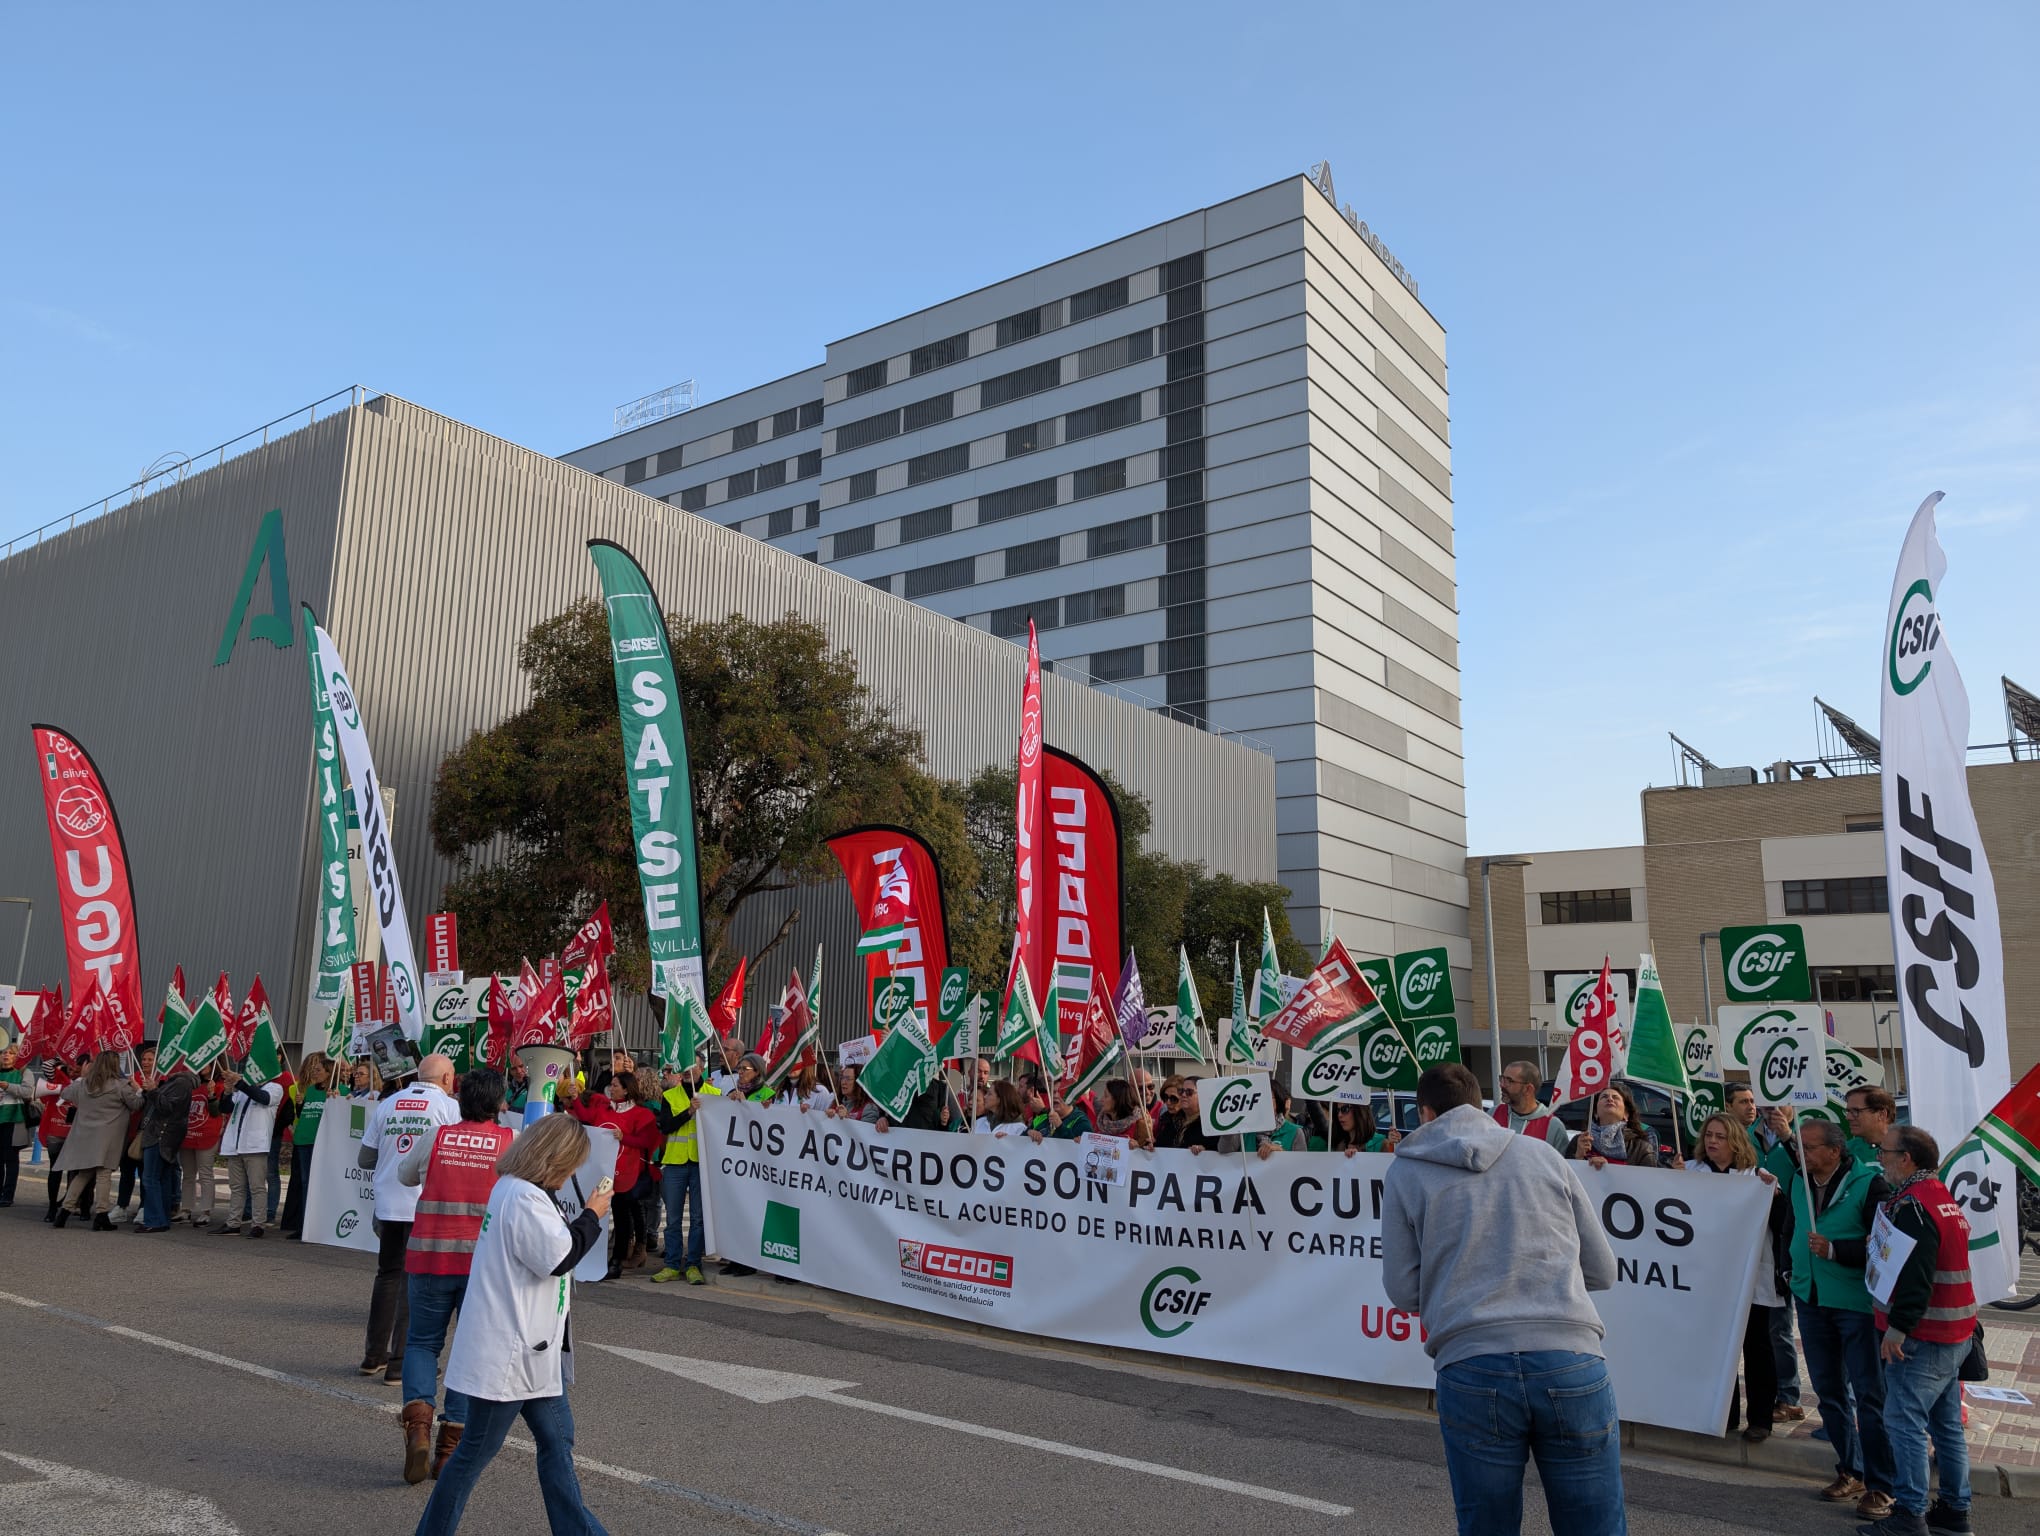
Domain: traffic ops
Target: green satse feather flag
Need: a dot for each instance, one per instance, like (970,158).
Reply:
(1654,1054)
(1268,980)
(1239,1038)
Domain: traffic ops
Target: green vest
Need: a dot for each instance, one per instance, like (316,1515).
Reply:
(1284,1136)
(1863,1152)
(684,1145)
(10,1109)
(1823,1281)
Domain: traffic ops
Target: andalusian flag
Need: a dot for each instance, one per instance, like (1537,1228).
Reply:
(1239,1038)
(814,993)
(171,1024)
(1189,1012)
(2012,1130)
(1021,1021)
(1268,979)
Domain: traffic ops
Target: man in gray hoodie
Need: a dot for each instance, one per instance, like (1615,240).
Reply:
(1490,1238)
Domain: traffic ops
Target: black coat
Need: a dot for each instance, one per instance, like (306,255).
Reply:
(166,1112)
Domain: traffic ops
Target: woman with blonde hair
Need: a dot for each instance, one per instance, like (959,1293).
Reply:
(99,1130)
(513,1353)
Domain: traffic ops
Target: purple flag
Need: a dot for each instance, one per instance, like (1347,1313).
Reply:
(1130,1006)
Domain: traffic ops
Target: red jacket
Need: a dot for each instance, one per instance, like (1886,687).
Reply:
(635,1129)
(56,1120)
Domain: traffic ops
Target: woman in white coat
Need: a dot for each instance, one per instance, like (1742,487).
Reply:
(512,1354)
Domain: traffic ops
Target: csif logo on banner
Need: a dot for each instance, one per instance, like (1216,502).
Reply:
(1232,1105)
(1172,1301)
(1434,1044)
(1328,1073)
(1914,635)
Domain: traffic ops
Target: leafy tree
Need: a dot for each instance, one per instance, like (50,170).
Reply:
(785,745)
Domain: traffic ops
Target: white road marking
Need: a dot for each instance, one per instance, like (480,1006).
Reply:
(79,1502)
(766,1387)
(126,1523)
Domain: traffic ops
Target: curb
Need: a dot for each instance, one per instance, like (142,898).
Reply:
(1791,1458)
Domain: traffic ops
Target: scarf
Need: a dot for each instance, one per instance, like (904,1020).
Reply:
(1609,1141)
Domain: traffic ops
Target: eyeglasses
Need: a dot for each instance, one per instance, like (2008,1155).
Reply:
(1170,1098)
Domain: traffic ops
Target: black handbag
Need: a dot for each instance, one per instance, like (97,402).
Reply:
(1976,1364)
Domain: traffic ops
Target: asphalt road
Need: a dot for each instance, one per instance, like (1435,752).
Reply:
(207,1384)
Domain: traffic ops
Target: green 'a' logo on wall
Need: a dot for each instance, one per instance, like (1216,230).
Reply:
(273,626)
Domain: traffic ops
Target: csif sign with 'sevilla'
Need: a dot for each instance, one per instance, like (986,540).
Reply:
(1234,1106)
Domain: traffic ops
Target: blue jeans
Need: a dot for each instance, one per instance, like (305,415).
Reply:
(552,1426)
(1495,1411)
(1922,1401)
(1784,1356)
(158,1177)
(1841,1358)
(682,1182)
(434,1300)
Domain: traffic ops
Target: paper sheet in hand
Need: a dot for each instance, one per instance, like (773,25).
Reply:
(1889,1249)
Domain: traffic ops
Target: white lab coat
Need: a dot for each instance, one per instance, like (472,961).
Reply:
(513,1321)
(393,1126)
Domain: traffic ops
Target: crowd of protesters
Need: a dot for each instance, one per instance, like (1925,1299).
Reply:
(1886,1374)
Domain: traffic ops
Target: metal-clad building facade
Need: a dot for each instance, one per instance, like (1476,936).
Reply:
(430,549)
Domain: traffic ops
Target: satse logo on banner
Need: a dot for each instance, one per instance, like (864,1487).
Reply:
(1229,1106)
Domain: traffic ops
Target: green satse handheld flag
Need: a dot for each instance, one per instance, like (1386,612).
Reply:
(265,1056)
(1189,1012)
(171,1024)
(686,1033)
(655,769)
(205,1039)
(1021,1021)
(903,1065)
(1654,1054)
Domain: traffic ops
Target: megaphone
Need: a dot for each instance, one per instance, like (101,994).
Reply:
(548,1066)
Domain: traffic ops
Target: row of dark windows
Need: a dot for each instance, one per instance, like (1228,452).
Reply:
(1854,983)
(1854,894)
(1027,324)
(780,523)
(1182,469)
(1605,906)
(743,435)
(1054,613)
(762,477)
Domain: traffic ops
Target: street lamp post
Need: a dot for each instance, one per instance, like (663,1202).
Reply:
(1706,988)
(27,917)
(1487,918)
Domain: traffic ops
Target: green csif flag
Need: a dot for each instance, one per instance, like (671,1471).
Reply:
(686,1032)
(1189,1012)
(265,1054)
(655,769)
(334,948)
(1021,1021)
(1654,1054)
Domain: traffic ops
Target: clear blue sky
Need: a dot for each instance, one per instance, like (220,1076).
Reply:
(1728,288)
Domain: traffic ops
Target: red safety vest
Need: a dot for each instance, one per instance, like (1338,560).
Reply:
(1951,1303)
(202,1126)
(455,1197)
(1539,1127)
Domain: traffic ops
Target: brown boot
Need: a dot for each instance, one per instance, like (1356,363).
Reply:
(417,1421)
(449,1439)
(637,1257)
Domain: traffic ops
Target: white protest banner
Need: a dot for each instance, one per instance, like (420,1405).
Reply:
(599,1164)
(340,1200)
(1889,1248)
(855,1053)
(1105,1158)
(1275,1263)
(1231,1106)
